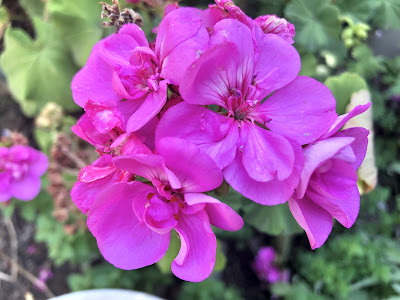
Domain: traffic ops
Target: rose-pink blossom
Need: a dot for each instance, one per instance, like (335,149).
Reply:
(132,221)
(20,170)
(255,142)
(328,181)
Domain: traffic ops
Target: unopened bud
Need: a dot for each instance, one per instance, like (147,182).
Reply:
(278,26)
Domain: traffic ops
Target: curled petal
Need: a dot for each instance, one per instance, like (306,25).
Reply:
(316,221)
(200,176)
(220,214)
(196,258)
(122,239)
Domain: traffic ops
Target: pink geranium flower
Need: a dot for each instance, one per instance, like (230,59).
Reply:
(255,142)
(275,25)
(265,268)
(132,221)
(20,171)
(124,67)
(328,182)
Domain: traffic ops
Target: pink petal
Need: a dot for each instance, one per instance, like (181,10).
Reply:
(103,117)
(274,53)
(94,81)
(196,258)
(176,28)
(200,175)
(140,198)
(160,215)
(136,33)
(38,163)
(122,239)
(337,182)
(25,189)
(266,155)
(220,214)
(5,181)
(149,166)
(175,64)
(316,221)
(316,154)
(101,168)
(215,134)
(344,210)
(149,109)
(342,119)
(266,193)
(301,111)
(359,146)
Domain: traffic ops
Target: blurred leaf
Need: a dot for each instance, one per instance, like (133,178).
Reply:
(8,209)
(274,220)
(366,65)
(295,291)
(45,138)
(78,24)
(387,14)
(343,86)
(38,70)
(174,245)
(308,65)
(357,10)
(209,289)
(220,259)
(33,7)
(316,21)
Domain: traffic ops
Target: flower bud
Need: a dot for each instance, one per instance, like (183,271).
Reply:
(275,25)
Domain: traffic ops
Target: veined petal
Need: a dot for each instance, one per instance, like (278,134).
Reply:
(196,258)
(301,111)
(196,171)
(149,166)
(122,239)
(316,154)
(266,193)
(316,221)
(274,53)
(220,214)
(342,119)
(214,134)
(151,106)
(359,145)
(266,155)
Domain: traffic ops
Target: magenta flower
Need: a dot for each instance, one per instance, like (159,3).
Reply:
(264,266)
(123,66)
(255,142)
(132,221)
(20,171)
(275,25)
(44,275)
(328,182)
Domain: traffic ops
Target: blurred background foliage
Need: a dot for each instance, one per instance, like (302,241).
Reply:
(350,45)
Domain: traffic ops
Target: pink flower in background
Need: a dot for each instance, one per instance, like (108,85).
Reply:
(275,25)
(132,221)
(328,182)
(256,143)
(20,171)
(264,266)
(44,275)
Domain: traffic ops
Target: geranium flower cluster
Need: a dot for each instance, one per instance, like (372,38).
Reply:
(215,97)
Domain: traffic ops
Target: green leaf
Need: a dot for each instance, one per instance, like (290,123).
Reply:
(8,210)
(366,65)
(343,86)
(33,7)
(174,245)
(316,22)
(308,65)
(274,220)
(78,24)
(45,138)
(38,70)
(220,259)
(358,11)
(387,14)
